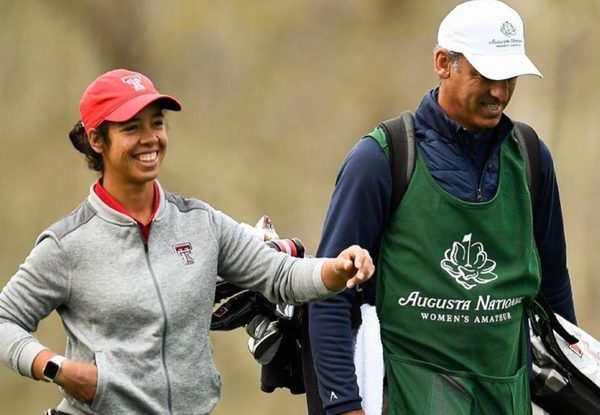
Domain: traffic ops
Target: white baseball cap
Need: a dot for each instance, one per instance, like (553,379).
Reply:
(490,35)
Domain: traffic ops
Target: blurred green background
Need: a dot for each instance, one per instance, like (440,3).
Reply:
(275,93)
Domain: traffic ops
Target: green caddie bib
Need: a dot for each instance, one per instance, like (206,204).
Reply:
(454,279)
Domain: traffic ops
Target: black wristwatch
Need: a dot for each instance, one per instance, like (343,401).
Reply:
(52,367)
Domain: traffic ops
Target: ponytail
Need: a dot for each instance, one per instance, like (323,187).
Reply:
(78,138)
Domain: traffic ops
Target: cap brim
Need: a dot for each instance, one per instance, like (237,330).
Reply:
(127,110)
(503,66)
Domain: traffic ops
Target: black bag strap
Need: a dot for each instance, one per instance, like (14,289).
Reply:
(549,315)
(400,136)
(529,142)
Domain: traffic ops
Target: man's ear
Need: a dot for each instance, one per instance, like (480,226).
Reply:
(96,142)
(442,63)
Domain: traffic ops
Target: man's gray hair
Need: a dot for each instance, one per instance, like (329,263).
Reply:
(454,57)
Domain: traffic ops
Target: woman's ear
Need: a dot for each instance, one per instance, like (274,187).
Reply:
(442,63)
(96,142)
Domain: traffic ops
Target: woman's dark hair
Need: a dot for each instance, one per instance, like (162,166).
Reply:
(78,138)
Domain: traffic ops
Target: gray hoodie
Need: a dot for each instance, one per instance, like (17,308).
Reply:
(141,311)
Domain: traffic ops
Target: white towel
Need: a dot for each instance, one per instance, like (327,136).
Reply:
(368,359)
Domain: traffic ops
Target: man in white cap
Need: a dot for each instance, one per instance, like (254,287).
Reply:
(462,255)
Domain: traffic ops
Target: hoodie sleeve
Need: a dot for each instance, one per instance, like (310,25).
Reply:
(33,292)
(249,263)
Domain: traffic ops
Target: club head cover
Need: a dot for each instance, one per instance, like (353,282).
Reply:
(239,310)
(225,290)
(265,338)
(284,311)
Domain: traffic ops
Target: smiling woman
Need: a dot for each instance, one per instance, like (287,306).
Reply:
(125,106)
(136,315)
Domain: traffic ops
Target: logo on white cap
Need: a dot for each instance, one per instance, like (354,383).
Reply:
(508,29)
(135,81)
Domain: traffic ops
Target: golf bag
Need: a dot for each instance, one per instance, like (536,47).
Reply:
(273,329)
(566,364)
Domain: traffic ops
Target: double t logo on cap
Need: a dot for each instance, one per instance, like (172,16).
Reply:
(135,81)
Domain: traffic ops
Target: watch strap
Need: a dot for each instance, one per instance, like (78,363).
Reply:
(52,367)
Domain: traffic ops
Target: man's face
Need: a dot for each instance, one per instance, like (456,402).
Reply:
(475,102)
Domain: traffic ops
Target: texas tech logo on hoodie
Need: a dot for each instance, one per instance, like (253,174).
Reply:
(184,250)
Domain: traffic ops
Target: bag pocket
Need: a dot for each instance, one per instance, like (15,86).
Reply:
(450,396)
(420,388)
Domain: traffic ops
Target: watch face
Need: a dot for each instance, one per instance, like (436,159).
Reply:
(51,370)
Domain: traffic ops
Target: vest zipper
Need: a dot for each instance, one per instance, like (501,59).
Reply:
(477,174)
(479,195)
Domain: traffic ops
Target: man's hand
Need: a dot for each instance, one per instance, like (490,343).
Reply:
(352,267)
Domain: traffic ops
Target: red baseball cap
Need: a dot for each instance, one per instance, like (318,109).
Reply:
(117,96)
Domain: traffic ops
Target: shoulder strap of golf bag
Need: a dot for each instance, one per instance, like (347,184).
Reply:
(400,136)
(529,142)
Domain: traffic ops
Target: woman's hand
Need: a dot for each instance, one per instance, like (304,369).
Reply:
(352,267)
(78,379)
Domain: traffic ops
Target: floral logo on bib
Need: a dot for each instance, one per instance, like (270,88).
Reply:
(468,263)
